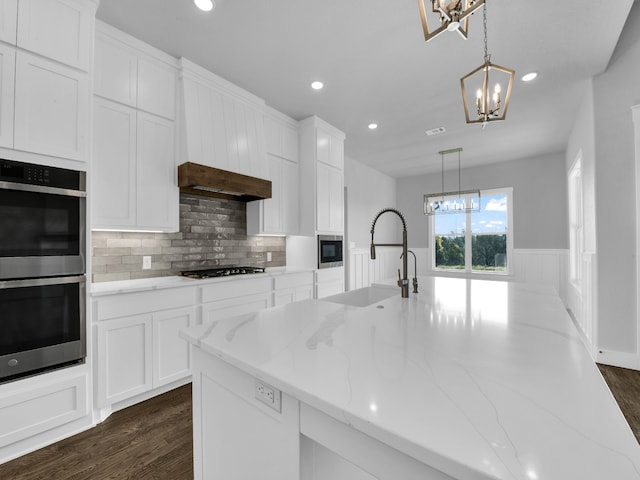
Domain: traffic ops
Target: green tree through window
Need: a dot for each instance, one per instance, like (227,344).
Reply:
(486,231)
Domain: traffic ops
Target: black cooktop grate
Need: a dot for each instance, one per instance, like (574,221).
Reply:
(221,272)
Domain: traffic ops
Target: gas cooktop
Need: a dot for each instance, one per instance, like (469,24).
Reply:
(221,272)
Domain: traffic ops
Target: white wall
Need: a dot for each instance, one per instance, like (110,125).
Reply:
(614,92)
(368,192)
(539,199)
(582,301)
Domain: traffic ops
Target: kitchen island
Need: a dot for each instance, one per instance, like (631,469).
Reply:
(468,379)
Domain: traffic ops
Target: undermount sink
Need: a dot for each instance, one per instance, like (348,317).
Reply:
(363,297)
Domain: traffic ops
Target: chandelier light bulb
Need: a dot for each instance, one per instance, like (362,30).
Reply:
(317,85)
(204,5)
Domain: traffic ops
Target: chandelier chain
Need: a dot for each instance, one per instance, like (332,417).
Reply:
(484,23)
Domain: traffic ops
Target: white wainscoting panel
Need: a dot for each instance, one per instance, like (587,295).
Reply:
(545,266)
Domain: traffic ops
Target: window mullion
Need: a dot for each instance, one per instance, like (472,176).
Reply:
(468,254)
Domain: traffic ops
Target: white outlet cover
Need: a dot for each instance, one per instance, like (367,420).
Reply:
(146,262)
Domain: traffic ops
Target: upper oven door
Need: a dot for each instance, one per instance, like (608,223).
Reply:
(43,231)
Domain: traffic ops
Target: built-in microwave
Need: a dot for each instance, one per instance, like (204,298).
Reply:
(43,211)
(330,251)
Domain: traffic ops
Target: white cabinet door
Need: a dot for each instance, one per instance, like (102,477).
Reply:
(8,19)
(215,311)
(272,207)
(157,194)
(290,203)
(330,199)
(7,72)
(277,215)
(115,71)
(172,357)
(113,172)
(330,149)
(58,29)
(304,292)
(281,138)
(51,108)
(124,358)
(156,88)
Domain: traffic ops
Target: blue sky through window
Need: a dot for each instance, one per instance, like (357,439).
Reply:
(492,218)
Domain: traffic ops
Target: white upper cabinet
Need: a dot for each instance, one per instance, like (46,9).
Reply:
(8,20)
(113,170)
(157,193)
(321,178)
(330,148)
(156,88)
(279,214)
(51,108)
(131,72)
(58,29)
(44,94)
(223,124)
(7,70)
(134,171)
(134,175)
(115,70)
(282,135)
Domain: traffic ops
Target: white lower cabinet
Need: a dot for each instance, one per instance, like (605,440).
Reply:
(329,281)
(124,358)
(236,297)
(41,404)
(142,352)
(292,288)
(138,344)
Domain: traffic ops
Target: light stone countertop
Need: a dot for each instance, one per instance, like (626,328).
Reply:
(479,379)
(175,281)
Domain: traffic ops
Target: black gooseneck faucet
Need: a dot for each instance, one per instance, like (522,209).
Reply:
(415,271)
(403,282)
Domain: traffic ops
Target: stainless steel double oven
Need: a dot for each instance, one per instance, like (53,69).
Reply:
(42,268)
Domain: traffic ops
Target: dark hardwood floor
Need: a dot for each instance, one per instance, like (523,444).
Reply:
(153,440)
(150,440)
(625,386)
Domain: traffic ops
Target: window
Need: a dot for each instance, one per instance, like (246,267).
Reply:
(474,241)
(576,242)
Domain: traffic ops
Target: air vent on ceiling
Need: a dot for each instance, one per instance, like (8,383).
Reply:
(435,131)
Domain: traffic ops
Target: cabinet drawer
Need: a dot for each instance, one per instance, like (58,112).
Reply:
(126,304)
(292,280)
(38,408)
(235,288)
(330,274)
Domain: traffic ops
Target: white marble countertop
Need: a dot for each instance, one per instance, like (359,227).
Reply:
(480,379)
(173,281)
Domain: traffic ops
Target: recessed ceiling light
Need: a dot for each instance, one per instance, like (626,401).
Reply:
(372,126)
(317,85)
(204,5)
(529,76)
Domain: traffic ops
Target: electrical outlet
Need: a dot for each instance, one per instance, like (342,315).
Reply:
(146,262)
(268,395)
(269,257)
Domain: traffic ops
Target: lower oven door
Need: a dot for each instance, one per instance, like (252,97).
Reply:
(43,324)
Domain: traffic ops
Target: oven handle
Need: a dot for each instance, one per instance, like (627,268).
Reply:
(38,282)
(42,189)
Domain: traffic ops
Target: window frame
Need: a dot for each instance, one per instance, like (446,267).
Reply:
(468,234)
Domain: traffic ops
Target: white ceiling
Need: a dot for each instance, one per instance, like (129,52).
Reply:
(376,67)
